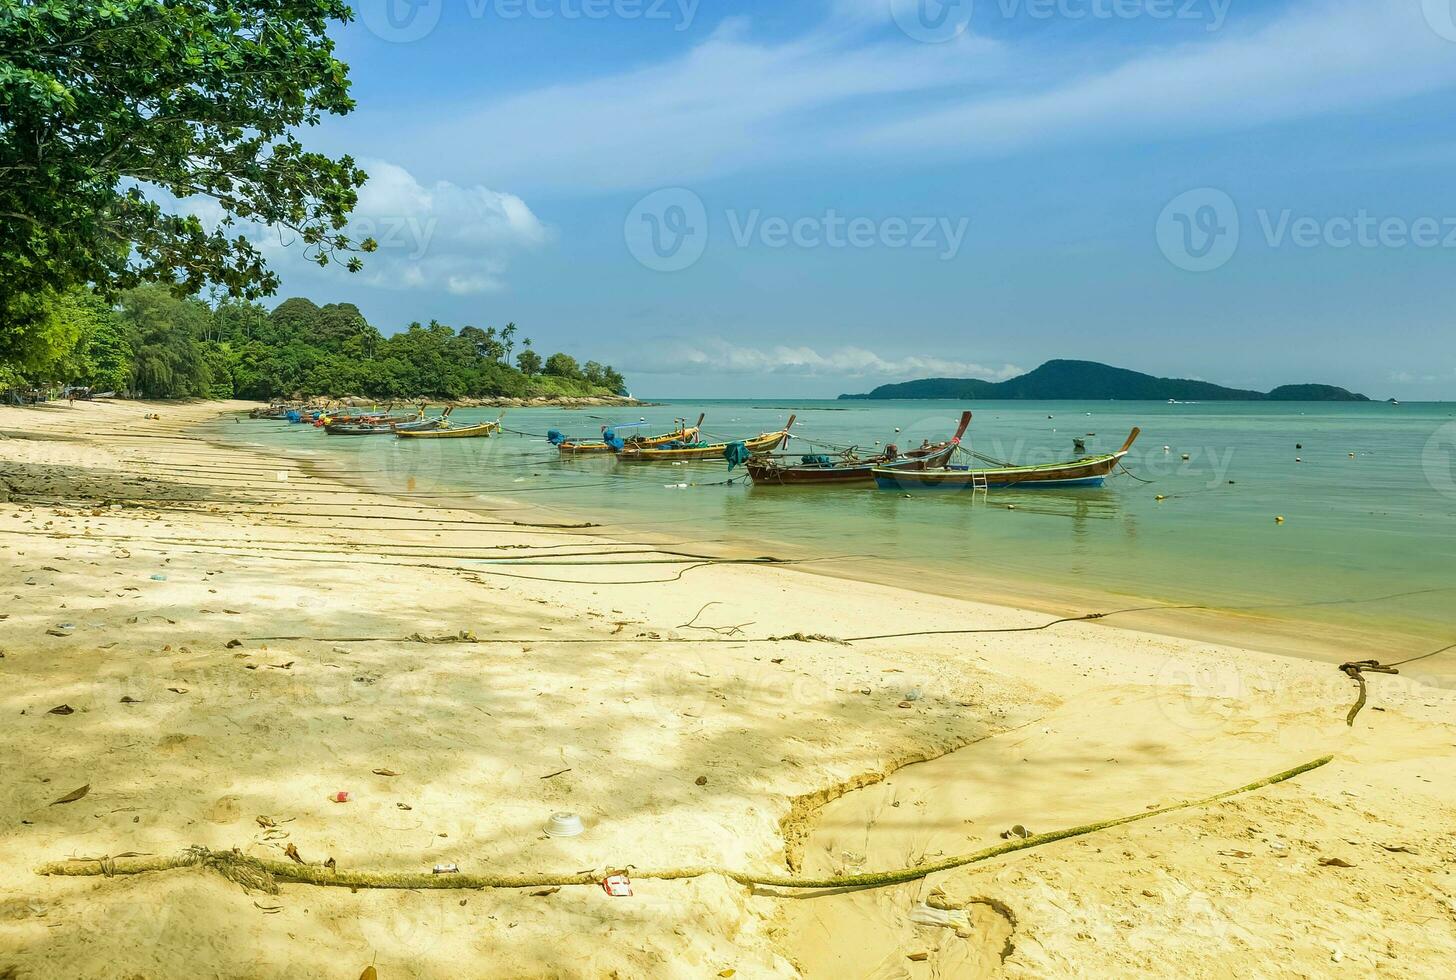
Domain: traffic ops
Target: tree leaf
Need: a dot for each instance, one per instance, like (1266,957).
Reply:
(73,795)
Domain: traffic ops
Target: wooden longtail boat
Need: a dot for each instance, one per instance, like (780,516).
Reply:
(388,428)
(1089,471)
(478,431)
(684,433)
(848,469)
(762,443)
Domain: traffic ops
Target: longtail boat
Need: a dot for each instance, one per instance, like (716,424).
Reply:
(418,424)
(1089,471)
(669,453)
(478,431)
(848,468)
(609,444)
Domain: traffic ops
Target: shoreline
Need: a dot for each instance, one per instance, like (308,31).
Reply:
(1234,624)
(609,683)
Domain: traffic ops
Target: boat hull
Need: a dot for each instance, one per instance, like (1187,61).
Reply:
(569,448)
(387,429)
(766,473)
(464,432)
(1055,476)
(758,444)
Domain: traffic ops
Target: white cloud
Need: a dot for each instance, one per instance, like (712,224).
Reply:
(714,109)
(1315,57)
(854,84)
(440,236)
(717,356)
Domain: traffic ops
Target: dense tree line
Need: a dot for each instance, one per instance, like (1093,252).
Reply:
(156,345)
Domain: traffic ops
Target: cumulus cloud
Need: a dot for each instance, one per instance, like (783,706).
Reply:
(438,236)
(719,357)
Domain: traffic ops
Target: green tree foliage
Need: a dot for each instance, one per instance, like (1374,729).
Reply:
(529,362)
(563,366)
(104,101)
(44,328)
(159,345)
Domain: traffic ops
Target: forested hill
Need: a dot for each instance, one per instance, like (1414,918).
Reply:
(1090,381)
(156,345)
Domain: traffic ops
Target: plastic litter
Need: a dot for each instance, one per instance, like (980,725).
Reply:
(342,796)
(446,869)
(617,886)
(564,825)
(159,577)
(925,915)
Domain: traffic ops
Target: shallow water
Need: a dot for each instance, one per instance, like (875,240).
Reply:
(1364,564)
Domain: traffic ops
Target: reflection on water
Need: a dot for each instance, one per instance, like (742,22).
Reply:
(1367,491)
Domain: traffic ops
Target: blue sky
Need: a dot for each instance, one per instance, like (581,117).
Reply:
(759,198)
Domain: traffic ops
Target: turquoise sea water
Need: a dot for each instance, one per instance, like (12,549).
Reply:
(1364,564)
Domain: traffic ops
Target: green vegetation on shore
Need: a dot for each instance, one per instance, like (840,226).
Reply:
(1090,381)
(157,345)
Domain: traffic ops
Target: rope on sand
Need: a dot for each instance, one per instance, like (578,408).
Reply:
(264,874)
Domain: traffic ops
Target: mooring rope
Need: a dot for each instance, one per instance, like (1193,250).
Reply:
(264,874)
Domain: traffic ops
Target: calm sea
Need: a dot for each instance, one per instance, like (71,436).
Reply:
(1363,565)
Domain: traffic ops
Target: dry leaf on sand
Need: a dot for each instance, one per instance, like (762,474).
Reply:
(73,795)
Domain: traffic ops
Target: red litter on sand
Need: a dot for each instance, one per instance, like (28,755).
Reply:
(342,796)
(617,886)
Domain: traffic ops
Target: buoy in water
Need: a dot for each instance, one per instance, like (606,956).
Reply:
(1352,455)
(1160,497)
(1185,457)
(1298,460)
(1278,518)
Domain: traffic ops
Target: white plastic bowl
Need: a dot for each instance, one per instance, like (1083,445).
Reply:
(564,825)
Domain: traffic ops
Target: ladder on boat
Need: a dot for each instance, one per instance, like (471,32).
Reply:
(979,483)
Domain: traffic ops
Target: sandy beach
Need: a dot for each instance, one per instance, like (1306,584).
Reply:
(215,642)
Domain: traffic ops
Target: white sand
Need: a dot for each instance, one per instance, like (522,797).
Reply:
(1075,723)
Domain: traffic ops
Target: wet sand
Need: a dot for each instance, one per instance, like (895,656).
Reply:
(237,638)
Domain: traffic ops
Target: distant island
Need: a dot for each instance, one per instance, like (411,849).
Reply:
(1090,381)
